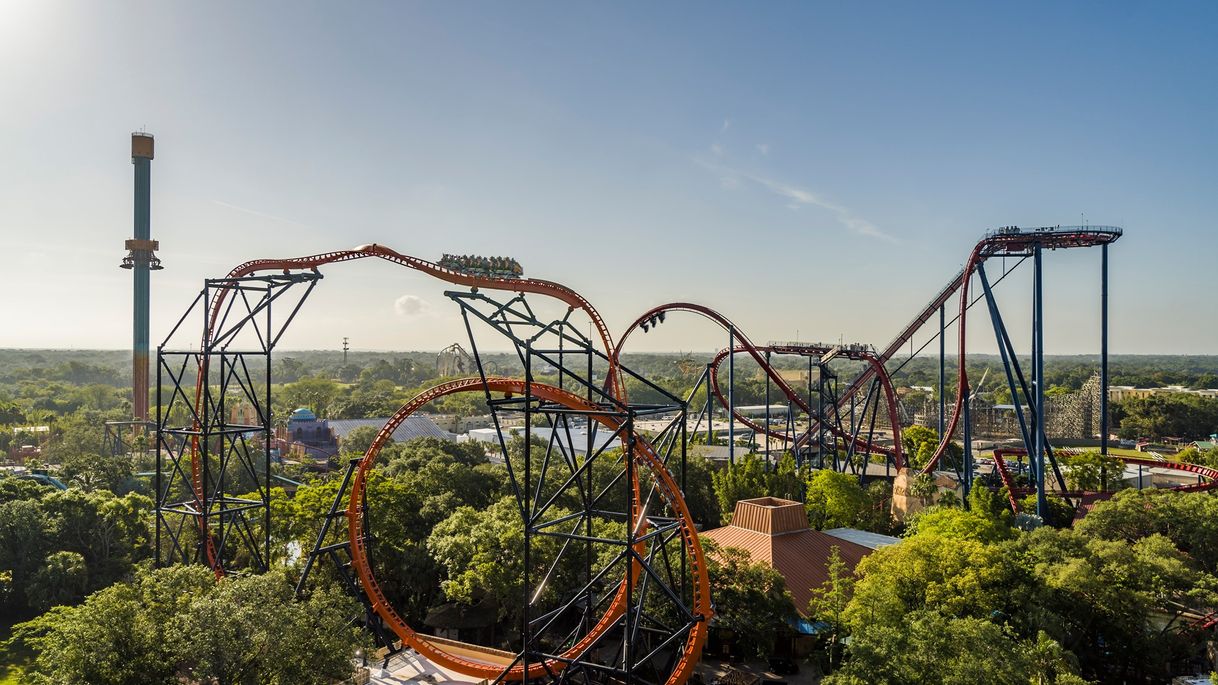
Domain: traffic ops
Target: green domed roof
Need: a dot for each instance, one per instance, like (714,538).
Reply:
(303,414)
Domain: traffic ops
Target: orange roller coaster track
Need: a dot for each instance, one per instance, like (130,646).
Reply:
(311,263)
(644,456)
(685,645)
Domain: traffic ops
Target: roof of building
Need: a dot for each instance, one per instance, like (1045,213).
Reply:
(1088,501)
(739,676)
(303,414)
(863,537)
(414,426)
(775,532)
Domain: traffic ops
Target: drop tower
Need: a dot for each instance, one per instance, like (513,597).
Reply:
(141,259)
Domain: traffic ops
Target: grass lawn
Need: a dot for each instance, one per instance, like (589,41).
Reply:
(12,663)
(1126,452)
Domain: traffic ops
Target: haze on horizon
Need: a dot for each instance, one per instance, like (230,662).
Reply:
(813,170)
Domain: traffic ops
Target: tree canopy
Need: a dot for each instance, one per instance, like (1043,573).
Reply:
(751,598)
(179,623)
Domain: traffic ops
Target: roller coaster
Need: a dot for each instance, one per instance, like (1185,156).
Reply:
(614,582)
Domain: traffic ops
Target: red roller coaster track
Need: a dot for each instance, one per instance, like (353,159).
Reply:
(1003,242)
(1204,471)
(743,344)
(896,452)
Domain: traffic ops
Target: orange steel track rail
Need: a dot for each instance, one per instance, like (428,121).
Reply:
(522,285)
(645,457)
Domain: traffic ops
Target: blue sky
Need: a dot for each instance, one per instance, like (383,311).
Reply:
(810,168)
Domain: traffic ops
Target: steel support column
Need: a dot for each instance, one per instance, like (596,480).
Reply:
(1103,353)
(766,435)
(731,395)
(1006,354)
(1038,364)
(942,367)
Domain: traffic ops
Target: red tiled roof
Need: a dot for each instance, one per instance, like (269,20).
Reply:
(775,532)
(1088,501)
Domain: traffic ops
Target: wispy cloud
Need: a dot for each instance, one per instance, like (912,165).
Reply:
(763,148)
(727,123)
(797,198)
(255,212)
(716,149)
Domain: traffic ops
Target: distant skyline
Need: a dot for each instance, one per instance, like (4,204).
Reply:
(811,170)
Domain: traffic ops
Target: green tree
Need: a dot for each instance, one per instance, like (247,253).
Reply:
(24,543)
(314,393)
(177,624)
(444,484)
(62,579)
(108,532)
(1090,470)
(958,524)
(111,532)
(785,480)
(480,553)
(926,646)
(122,635)
(360,439)
(834,500)
(920,442)
(746,479)
(415,453)
(77,448)
(1189,520)
(877,516)
(12,489)
(463,404)
(1059,514)
(830,600)
(957,577)
(751,599)
(1100,599)
(990,502)
(1168,415)
(253,630)
(479,550)
(700,490)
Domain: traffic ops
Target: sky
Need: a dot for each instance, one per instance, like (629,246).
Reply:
(812,170)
